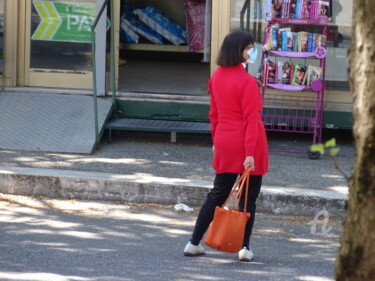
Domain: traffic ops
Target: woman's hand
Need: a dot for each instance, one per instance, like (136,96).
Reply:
(213,149)
(249,163)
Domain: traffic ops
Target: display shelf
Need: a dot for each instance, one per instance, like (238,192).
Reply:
(294,54)
(316,86)
(322,21)
(319,54)
(287,87)
(291,111)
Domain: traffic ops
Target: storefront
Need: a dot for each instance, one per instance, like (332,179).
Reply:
(338,99)
(37,51)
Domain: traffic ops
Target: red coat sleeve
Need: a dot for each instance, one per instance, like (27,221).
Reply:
(213,113)
(251,104)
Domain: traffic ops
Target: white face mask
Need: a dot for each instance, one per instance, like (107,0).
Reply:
(253,53)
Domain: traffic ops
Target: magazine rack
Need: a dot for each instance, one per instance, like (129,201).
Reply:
(288,106)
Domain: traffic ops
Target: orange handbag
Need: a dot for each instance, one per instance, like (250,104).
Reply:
(227,229)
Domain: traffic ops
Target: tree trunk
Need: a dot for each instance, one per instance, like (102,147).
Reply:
(356,258)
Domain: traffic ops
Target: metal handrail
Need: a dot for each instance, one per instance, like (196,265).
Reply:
(245,8)
(113,71)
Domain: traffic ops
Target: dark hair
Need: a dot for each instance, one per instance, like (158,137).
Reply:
(231,51)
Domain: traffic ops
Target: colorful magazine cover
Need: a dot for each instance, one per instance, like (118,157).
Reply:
(302,41)
(268,42)
(309,42)
(324,8)
(304,82)
(287,68)
(293,7)
(285,9)
(265,75)
(279,72)
(290,41)
(320,41)
(291,73)
(284,41)
(295,43)
(298,9)
(271,73)
(279,38)
(260,74)
(277,7)
(275,34)
(305,12)
(299,74)
(314,73)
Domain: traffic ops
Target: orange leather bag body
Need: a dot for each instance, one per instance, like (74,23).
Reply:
(227,229)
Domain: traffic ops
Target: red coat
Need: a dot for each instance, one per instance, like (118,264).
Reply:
(236,125)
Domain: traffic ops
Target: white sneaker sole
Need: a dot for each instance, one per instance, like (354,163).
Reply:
(246,260)
(192,254)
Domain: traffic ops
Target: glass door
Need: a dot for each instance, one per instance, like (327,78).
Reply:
(58,43)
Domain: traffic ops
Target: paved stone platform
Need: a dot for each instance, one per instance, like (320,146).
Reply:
(50,122)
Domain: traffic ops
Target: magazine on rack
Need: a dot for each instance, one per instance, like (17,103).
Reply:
(297,9)
(260,73)
(279,38)
(302,41)
(313,73)
(299,74)
(324,8)
(271,73)
(320,41)
(283,72)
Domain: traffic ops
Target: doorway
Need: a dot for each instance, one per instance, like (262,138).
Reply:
(154,57)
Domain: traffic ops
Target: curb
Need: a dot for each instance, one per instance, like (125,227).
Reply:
(82,185)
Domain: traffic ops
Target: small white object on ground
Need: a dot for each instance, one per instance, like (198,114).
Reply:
(182,207)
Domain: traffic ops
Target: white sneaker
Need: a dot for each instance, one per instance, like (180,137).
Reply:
(192,250)
(245,255)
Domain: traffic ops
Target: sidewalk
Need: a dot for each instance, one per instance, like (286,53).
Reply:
(145,167)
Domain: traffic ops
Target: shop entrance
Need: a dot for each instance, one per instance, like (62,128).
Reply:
(165,47)
(47,58)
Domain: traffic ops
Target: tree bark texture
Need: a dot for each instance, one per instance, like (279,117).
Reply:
(356,258)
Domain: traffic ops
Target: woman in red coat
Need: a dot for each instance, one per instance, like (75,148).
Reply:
(238,136)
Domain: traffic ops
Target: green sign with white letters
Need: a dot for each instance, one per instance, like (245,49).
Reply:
(63,21)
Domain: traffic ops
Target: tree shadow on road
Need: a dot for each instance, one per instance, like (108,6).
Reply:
(46,239)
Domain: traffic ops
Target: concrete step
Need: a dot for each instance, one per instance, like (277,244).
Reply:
(146,189)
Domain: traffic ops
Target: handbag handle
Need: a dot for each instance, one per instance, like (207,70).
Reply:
(245,181)
(240,185)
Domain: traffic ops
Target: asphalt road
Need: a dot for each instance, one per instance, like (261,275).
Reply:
(44,240)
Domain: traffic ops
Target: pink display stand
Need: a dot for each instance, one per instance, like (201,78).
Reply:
(296,108)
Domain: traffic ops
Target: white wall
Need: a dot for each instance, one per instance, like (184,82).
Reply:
(342,12)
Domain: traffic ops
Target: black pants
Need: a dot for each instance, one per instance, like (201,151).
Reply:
(223,184)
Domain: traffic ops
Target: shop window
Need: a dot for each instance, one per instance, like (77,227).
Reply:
(338,41)
(61,51)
